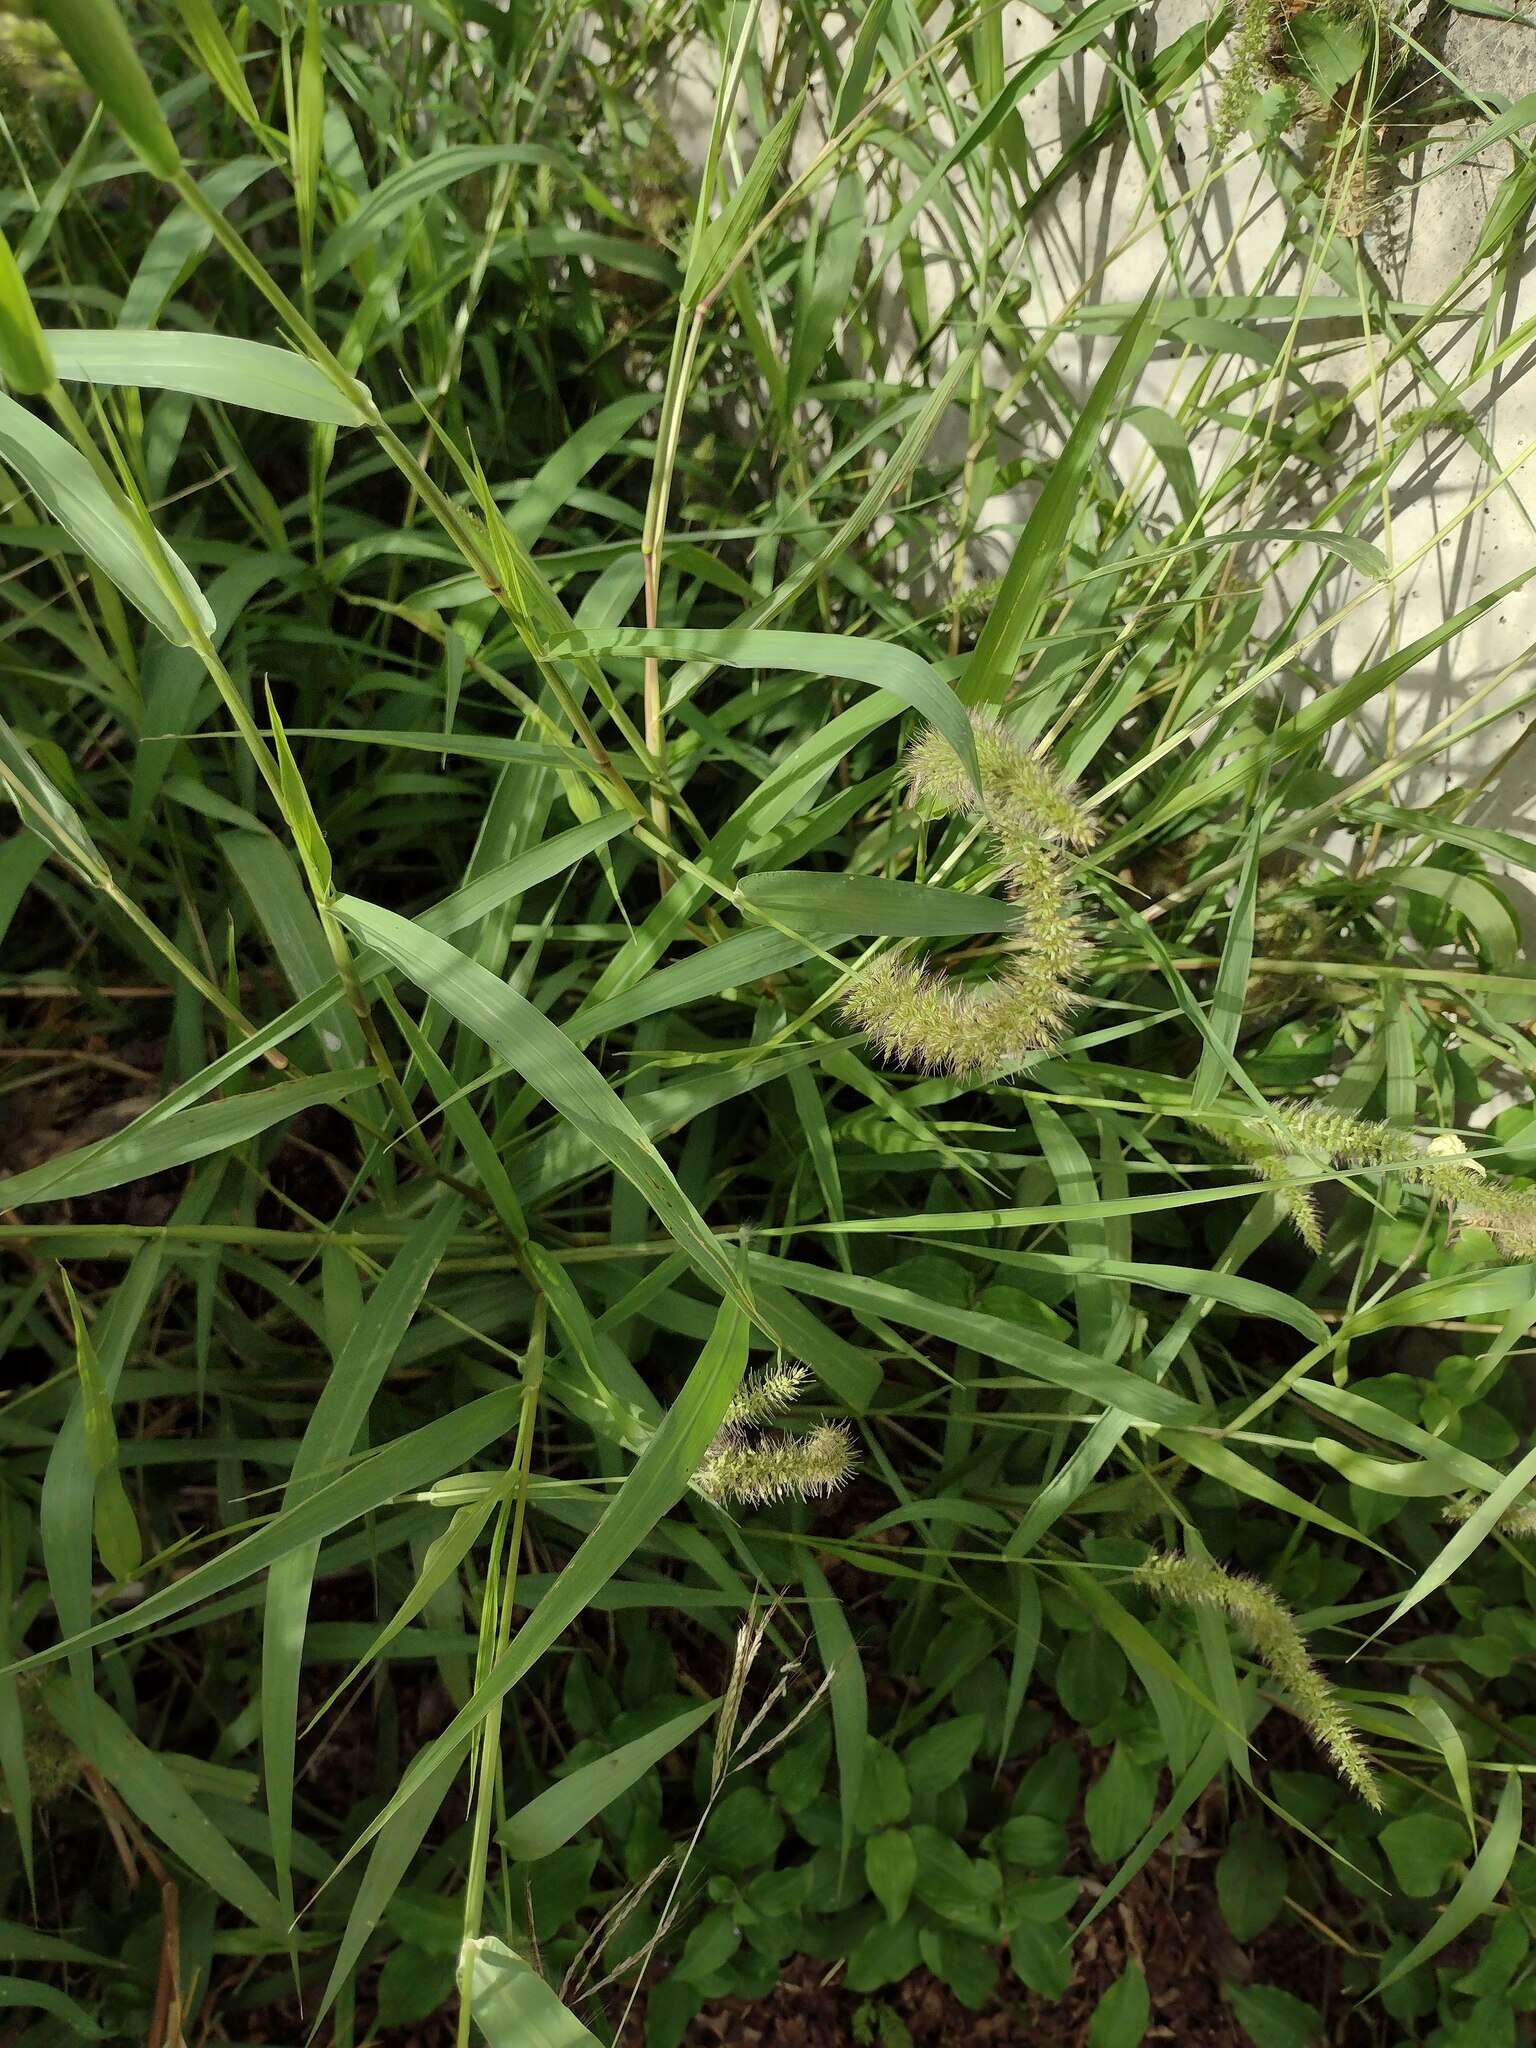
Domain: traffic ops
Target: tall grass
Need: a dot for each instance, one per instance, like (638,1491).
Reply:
(507,627)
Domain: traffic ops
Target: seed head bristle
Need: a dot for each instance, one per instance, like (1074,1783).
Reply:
(1269,1627)
(752,1471)
(924,1019)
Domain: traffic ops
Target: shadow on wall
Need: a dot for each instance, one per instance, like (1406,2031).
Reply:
(1449,533)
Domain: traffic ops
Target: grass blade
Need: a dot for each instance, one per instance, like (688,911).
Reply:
(156,1142)
(100,520)
(661,1476)
(513,2006)
(1478,1889)
(327,1443)
(542,1053)
(550,1820)
(249,373)
(1017,611)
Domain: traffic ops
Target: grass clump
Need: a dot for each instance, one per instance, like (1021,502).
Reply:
(553,556)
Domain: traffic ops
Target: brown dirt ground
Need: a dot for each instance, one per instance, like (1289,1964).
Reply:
(1170,1925)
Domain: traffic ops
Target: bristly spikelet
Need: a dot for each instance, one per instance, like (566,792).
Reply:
(1020,796)
(766,1394)
(927,1020)
(1297,1132)
(922,1019)
(51,1759)
(1518,1519)
(1509,1217)
(1360,190)
(1269,1627)
(1441,1167)
(974,601)
(755,1470)
(1249,69)
(1149,1496)
(745,1466)
(1299,1203)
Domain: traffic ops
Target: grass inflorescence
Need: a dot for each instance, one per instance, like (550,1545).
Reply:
(1269,1628)
(921,1017)
(680,693)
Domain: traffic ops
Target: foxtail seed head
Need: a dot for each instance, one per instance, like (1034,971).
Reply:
(747,1466)
(1298,1132)
(1270,1630)
(924,1019)
(766,1394)
(1299,1203)
(1509,1217)
(1518,1519)
(1021,798)
(754,1470)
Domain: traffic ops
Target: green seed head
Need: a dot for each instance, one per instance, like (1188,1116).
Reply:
(767,1394)
(1509,1217)
(1518,1519)
(928,1020)
(753,1470)
(1269,1627)
(1021,798)
(1299,1133)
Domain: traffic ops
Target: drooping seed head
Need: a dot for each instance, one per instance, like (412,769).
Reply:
(1269,1627)
(1021,797)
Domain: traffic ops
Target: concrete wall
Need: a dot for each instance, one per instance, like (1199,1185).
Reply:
(1448,528)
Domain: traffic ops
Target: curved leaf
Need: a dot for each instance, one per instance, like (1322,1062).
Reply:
(250,373)
(100,520)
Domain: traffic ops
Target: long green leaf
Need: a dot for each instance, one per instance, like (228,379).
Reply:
(403,1467)
(1016,613)
(100,520)
(409,186)
(513,2006)
(550,1820)
(542,1053)
(661,1476)
(329,1436)
(883,666)
(847,1688)
(153,1143)
(248,373)
(838,905)
(1478,1889)
(157,1797)
(116,1526)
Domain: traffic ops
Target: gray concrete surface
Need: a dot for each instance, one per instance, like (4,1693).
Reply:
(1452,525)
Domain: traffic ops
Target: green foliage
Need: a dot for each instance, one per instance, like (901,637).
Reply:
(587,1489)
